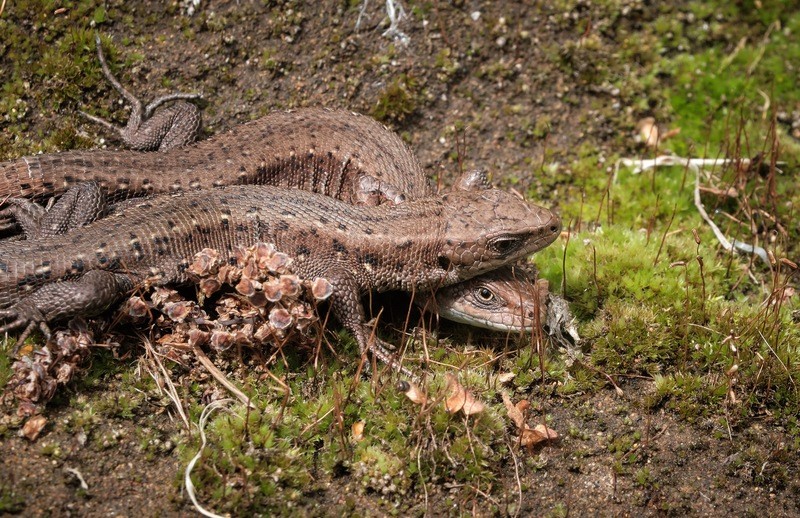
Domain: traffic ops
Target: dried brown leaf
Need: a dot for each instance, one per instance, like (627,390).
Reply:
(33,427)
(357,431)
(459,398)
(412,392)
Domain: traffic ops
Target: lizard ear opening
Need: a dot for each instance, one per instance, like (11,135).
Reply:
(477,180)
(445,263)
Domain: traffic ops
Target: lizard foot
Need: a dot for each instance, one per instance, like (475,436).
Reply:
(371,191)
(79,206)
(148,128)
(24,313)
(90,295)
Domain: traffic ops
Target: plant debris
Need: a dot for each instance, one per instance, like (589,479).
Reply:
(528,436)
(459,398)
(251,302)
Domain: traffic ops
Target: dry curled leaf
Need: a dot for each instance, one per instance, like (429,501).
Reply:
(412,392)
(33,427)
(357,431)
(136,307)
(210,286)
(279,262)
(538,434)
(280,318)
(528,436)
(459,398)
(505,377)
(321,289)
(178,311)
(289,285)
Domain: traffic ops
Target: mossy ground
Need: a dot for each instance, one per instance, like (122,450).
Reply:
(704,344)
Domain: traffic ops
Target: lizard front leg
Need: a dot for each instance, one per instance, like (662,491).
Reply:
(90,295)
(371,191)
(347,308)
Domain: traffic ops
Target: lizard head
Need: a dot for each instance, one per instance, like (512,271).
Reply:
(487,228)
(506,299)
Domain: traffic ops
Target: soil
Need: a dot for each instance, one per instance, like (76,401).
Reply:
(481,71)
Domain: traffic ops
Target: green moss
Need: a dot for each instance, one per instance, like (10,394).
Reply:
(10,501)
(398,100)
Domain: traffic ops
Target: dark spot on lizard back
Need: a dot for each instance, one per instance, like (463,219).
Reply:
(282,225)
(3,267)
(25,186)
(302,250)
(28,280)
(369,258)
(338,246)
(77,266)
(44,271)
(287,212)
(324,220)
(342,227)
(368,231)
(405,244)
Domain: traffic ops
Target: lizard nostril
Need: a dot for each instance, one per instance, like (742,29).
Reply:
(554,229)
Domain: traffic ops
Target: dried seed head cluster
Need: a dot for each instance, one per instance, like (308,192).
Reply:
(251,300)
(35,378)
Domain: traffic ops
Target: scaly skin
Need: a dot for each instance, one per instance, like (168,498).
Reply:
(354,159)
(507,299)
(325,151)
(415,246)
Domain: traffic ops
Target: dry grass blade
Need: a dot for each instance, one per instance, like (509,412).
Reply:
(221,378)
(695,164)
(167,386)
(187,478)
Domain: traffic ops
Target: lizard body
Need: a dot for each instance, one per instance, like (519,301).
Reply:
(413,246)
(337,153)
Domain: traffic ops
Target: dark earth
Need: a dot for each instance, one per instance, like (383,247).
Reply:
(488,73)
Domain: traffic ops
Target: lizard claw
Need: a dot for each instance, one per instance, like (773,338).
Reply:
(22,315)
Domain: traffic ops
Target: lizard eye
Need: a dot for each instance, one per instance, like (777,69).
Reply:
(504,245)
(484,294)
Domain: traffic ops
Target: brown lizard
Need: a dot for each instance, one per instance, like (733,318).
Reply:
(173,127)
(413,246)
